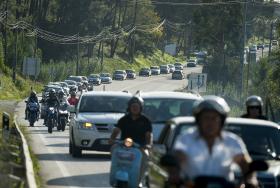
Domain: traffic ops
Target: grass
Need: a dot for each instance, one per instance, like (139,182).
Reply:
(35,161)
(109,65)
(18,90)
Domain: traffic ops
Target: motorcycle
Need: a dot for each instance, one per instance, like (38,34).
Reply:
(33,109)
(126,165)
(63,116)
(51,118)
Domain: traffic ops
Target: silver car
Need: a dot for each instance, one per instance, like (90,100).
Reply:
(161,106)
(96,115)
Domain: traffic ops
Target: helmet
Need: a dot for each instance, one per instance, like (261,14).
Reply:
(215,103)
(73,94)
(52,92)
(61,93)
(33,93)
(254,101)
(137,100)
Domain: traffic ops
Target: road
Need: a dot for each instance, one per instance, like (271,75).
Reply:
(58,168)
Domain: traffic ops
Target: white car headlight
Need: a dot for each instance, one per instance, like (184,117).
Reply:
(86,125)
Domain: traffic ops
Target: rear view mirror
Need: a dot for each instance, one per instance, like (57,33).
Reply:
(71,109)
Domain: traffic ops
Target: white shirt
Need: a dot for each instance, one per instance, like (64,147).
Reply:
(200,162)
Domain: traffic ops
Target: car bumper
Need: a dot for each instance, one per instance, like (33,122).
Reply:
(92,140)
(106,81)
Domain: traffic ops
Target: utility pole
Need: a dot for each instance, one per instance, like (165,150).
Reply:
(270,39)
(15,60)
(78,55)
(5,33)
(243,47)
(132,37)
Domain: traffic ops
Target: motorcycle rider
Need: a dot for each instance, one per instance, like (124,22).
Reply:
(136,126)
(52,101)
(62,97)
(73,100)
(208,150)
(254,106)
(32,98)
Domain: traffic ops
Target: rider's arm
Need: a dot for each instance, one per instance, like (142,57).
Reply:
(114,135)
(149,134)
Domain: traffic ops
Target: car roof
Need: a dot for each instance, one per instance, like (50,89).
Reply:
(107,93)
(53,86)
(119,70)
(231,120)
(69,81)
(169,94)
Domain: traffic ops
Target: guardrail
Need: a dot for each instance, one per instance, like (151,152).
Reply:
(16,146)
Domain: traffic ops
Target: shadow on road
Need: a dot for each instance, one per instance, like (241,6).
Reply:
(68,157)
(98,180)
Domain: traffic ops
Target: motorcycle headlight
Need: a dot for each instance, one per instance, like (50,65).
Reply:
(85,125)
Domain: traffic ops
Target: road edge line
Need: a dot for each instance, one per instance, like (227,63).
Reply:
(30,176)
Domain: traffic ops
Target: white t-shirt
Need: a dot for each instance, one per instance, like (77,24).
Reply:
(201,162)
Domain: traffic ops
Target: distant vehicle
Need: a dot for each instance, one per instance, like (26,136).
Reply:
(260,46)
(253,48)
(145,72)
(171,68)
(177,64)
(179,67)
(73,86)
(161,106)
(200,57)
(274,43)
(192,63)
(178,75)
(97,114)
(130,74)
(155,70)
(79,81)
(119,75)
(164,69)
(105,78)
(94,79)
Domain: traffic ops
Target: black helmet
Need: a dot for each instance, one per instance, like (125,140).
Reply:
(254,101)
(214,103)
(61,93)
(52,92)
(73,94)
(137,100)
(33,93)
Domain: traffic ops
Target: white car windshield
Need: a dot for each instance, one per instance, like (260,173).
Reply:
(101,104)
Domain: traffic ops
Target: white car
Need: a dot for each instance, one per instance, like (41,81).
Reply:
(96,115)
(161,106)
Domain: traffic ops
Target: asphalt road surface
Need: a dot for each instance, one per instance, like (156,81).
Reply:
(58,168)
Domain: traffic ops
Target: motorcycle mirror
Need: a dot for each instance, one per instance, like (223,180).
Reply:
(258,165)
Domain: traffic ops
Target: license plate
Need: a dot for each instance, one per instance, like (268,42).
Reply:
(104,142)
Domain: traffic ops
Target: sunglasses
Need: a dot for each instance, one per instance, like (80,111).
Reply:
(254,107)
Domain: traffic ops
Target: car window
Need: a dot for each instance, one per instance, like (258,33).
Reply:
(261,142)
(119,72)
(77,79)
(160,110)
(101,104)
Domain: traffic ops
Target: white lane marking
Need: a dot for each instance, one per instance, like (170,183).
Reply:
(61,167)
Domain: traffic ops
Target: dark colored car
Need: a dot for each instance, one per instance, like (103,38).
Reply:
(119,75)
(178,75)
(260,137)
(130,74)
(94,79)
(260,46)
(155,70)
(164,69)
(145,72)
(79,81)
